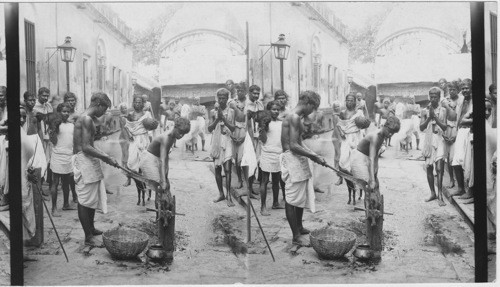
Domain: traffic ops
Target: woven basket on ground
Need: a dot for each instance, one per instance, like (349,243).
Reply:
(124,243)
(332,243)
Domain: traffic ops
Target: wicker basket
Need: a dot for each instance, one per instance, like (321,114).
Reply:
(124,243)
(332,243)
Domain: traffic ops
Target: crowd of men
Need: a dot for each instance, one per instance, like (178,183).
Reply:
(264,139)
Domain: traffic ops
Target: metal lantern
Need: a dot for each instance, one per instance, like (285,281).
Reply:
(281,48)
(349,79)
(67,51)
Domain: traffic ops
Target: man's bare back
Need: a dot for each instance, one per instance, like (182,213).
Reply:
(165,140)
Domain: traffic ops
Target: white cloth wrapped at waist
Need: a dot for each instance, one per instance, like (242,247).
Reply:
(150,166)
(297,175)
(89,183)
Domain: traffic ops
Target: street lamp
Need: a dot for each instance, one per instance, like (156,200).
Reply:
(281,50)
(67,55)
(349,80)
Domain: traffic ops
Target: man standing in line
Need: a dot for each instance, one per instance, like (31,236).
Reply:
(252,105)
(240,128)
(453,104)
(222,125)
(464,122)
(139,142)
(87,167)
(42,108)
(295,169)
(433,122)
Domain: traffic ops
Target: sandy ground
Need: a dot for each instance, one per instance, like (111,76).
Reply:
(422,241)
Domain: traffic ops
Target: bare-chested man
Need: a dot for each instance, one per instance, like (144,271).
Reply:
(385,112)
(350,135)
(451,104)
(222,125)
(169,116)
(139,142)
(154,163)
(89,178)
(433,122)
(240,131)
(295,169)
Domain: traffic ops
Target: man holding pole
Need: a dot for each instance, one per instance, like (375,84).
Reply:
(87,168)
(295,169)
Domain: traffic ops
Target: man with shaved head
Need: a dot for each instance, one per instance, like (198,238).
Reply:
(89,178)
(433,124)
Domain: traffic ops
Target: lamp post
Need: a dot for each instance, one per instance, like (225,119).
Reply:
(349,80)
(281,50)
(67,55)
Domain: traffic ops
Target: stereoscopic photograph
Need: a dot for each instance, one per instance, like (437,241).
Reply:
(146,143)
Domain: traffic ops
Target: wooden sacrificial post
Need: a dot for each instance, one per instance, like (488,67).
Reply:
(374,210)
(165,205)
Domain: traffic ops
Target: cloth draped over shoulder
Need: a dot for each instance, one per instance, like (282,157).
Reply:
(352,137)
(222,144)
(140,142)
(434,144)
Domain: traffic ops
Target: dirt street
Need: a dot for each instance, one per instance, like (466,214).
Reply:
(423,242)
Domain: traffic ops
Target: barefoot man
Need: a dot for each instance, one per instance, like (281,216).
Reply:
(240,131)
(295,170)
(222,125)
(364,159)
(154,162)
(433,123)
(87,167)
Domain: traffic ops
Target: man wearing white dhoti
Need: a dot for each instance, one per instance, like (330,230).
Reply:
(222,125)
(462,144)
(154,163)
(350,135)
(139,142)
(87,169)
(295,169)
(433,122)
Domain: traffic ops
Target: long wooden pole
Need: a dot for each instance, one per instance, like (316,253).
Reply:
(478,92)
(13,73)
(249,224)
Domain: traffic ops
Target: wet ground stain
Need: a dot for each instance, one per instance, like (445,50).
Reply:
(226,233)
(439,235)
